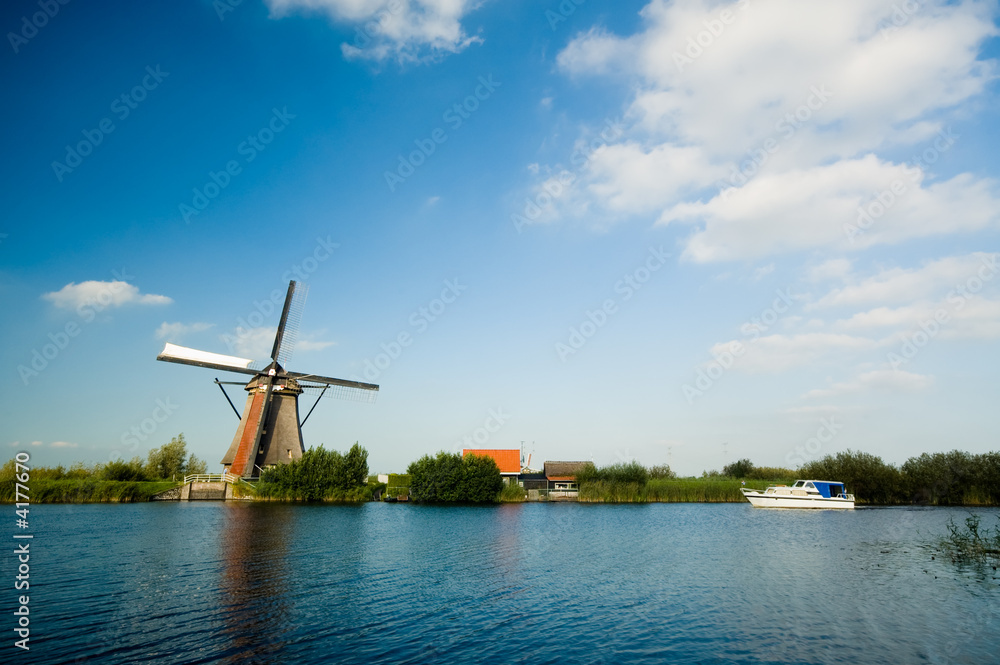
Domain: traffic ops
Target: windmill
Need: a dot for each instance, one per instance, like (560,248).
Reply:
(270,431)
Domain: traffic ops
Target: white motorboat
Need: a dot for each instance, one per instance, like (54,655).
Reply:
(803,494)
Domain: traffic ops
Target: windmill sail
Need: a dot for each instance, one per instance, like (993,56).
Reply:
(288,327)
(185,356)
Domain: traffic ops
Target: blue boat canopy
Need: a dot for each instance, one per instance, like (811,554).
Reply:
(829,489)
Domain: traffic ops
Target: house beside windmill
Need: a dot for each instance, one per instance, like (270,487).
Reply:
(508,460)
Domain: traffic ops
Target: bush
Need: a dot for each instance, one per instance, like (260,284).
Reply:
(512,493)
(738,469)
(953,479)
(620,473)
(450,477)
(123,471)
(661,472)
(866,476)
(770,473)
(398,485)
(77,471)
(318,475)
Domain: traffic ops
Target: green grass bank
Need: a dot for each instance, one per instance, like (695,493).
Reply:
(86,490)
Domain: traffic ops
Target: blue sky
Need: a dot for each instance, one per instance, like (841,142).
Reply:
(678,232)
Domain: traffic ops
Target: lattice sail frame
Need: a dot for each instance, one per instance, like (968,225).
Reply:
(292,323)
(347,393)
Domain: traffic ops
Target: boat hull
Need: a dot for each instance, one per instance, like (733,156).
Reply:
(758,500)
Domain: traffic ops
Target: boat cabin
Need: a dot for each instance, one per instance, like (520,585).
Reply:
(824,488)
(817,488)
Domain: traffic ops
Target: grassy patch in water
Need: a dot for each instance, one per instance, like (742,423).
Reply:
(972,542)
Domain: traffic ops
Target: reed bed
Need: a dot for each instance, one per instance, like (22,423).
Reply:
(663,490)
(86,490)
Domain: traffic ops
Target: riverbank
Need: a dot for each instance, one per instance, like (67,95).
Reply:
(691,490)
(87,490)
(683,490)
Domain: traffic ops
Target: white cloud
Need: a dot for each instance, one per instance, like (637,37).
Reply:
(63,444)
(36,443)
(101,295)
(882,379)
(819,207)
(312,344)
(961,317)
(255,343)
(176,331)
(763,271)
(404,30)
(812,410)
(812,92)
(258,342)
(597,52)
(833,269)
(780,353)
(934,280)
(720,100)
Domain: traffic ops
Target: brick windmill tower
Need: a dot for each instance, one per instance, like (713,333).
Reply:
(270,431)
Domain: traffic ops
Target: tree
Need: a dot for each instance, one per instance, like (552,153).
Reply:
(319,474)
(355,466)
(450,477)
(738,469)
(123,471)
(195,465)
(482,480)
(866,476)
(661,471)
(167,461)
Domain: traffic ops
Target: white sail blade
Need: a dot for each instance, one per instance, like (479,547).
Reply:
(184,355)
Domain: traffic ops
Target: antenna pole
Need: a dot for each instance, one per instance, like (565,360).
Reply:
(219,383)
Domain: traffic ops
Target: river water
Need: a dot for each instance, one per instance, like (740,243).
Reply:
(533,583)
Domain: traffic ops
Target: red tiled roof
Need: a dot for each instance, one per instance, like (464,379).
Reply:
(509,461)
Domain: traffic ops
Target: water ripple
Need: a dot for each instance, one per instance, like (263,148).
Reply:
(225,583)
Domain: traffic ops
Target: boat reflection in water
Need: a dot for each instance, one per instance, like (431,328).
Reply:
(803,494)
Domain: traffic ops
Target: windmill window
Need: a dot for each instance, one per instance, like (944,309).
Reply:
(289,451)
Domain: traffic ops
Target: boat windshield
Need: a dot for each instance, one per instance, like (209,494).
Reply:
(799,483)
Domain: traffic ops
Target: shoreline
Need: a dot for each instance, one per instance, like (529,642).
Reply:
(688,490)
